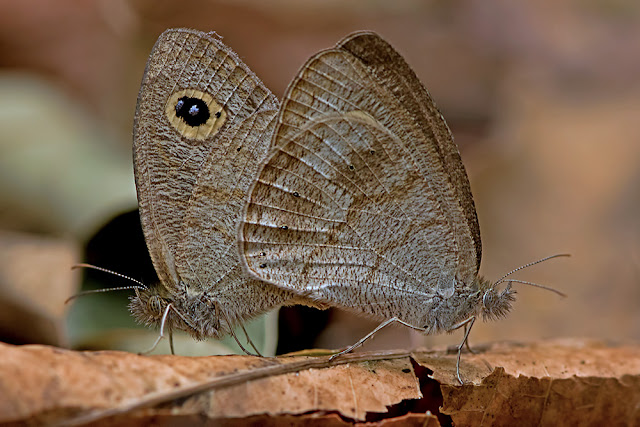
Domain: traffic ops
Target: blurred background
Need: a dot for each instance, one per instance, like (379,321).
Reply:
(543,99)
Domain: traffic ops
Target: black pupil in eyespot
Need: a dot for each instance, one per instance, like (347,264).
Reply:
(193,111)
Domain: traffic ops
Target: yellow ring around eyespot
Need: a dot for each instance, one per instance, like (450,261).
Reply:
(205,130)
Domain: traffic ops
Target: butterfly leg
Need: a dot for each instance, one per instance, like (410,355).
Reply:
(235,337)
(372,333)
(246,335)
(467,329)
(161,335)
(220,311)
(171,339)
(467,340)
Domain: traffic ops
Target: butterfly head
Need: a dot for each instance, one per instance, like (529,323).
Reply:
(496,304)
(148,305)
(156,306)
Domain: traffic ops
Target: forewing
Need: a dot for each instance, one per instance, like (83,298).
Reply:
(169,152)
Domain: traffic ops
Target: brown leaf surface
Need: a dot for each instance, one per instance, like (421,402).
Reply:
(569,382)
(49,384)
(580,381)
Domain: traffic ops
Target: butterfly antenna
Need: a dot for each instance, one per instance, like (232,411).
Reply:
(537,285)
(502,279)
(139,285)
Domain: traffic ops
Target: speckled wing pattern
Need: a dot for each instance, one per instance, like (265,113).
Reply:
(364,201)
(192,182)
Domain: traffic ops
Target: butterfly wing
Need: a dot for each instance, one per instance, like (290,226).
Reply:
(358,203)
(198,104)
(377,54)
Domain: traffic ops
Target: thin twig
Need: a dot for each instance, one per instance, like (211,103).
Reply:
(279,366)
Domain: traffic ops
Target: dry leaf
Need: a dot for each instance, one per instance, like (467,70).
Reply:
(575,382)
(64,383)
(570,382)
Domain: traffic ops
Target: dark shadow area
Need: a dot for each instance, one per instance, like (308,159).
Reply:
(431,400)
(299,326)
(119,246)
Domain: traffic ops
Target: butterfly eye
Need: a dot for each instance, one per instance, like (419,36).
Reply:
(154,306)
(489,299)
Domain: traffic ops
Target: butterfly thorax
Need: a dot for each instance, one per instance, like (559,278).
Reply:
(479,298)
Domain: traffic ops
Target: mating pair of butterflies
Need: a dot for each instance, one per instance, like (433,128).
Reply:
(349,193)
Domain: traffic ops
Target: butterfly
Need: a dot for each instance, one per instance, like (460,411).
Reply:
(202,127)
(364,201)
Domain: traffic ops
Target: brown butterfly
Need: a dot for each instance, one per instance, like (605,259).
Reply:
(364,202)
(202,127)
